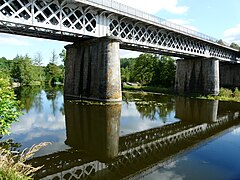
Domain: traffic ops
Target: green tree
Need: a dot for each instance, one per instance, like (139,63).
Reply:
(9,112)
(53,57)
(127,69)
(38,59)
(235,46)
(165,70)
(62,55)
(149,69)
(220,41)
(37,67)
(5,67)
(53,73)
(22,69)
(144,68)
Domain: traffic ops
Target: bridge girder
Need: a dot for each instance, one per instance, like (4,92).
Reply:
(70,20)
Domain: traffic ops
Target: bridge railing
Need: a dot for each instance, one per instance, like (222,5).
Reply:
(149,17)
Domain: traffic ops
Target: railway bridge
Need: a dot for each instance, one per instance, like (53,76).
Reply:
(98,28)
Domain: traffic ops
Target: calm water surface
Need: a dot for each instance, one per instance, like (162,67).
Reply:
(147,136)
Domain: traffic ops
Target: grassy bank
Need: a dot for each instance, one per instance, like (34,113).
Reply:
(148,89)
(224,95)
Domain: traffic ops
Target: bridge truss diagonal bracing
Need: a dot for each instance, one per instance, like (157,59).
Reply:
(71,20)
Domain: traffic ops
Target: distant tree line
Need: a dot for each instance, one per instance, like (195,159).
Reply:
(235,46)
(232,45)
(28,71)
(149,69)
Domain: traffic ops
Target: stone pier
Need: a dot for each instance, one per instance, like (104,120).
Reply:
(229,74)
(93,70)
(197,76)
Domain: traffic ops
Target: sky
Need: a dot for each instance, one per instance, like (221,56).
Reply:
(217,18)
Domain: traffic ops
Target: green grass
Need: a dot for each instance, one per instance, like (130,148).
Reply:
(225,95)
(148,89)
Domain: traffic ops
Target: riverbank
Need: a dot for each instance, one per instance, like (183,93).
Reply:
(153,89)
(224,95)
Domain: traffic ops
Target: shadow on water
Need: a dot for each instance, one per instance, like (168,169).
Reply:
(97,151)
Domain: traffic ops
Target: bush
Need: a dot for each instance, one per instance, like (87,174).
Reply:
(225,92)
(9,112)
(236,93)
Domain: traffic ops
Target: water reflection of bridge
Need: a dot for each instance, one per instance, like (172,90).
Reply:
(99,153)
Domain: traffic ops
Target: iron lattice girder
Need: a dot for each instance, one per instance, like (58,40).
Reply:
(72,19)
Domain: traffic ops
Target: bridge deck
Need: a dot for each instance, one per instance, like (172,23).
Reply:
(76,19)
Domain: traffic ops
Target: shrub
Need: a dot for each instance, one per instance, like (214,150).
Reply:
(9,112)
(225,92)
(236,93)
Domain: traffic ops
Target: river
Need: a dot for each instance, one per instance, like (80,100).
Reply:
(147,136)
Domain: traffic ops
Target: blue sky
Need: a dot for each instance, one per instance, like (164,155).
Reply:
(216,18)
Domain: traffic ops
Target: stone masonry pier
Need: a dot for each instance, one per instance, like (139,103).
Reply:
(93,70)
(197,76)
(229,74)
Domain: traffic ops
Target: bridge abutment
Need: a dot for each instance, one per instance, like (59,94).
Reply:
(197,76)
(93,70)
(229,75)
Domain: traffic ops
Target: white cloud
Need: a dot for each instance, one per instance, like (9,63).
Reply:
(11,40)
(232,34)
(154,6)
(129,54)
(236,131)
(165,175)
(18,40)
(184,23)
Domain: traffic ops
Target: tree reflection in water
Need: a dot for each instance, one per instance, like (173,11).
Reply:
(96,150)
(99,152)
(151,106)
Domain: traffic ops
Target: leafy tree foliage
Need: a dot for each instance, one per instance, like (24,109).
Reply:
(62,55)
(37,68)
(22,69)
(4,67)
(29,71)
(149,69)
(38,59)
(54,57)
(53,73)
(8,107)
(235,46)
(164,73)
(127,67)
(145,68)
(220,41)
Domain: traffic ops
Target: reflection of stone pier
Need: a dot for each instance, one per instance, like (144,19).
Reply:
(93,128)
(137,152)
(196,110)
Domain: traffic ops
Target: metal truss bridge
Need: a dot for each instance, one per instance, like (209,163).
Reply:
(72,20)
(139,153)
